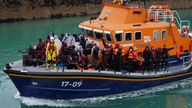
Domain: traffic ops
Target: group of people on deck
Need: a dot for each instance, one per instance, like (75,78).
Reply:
(77,52)
(156,58)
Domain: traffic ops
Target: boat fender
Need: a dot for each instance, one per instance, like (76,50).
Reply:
(140,61)
(185,31)
(173,20)
(177,55)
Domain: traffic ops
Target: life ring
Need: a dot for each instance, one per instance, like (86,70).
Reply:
(139,61)
(173,20)
(185,31)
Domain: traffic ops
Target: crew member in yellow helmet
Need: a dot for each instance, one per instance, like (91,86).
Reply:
(118,2)
(51,53)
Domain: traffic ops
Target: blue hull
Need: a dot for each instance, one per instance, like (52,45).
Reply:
(75,85)
(54,87)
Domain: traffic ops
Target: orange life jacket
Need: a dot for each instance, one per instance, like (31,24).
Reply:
(115,51)
(123,52)
(139,61)
(131,55)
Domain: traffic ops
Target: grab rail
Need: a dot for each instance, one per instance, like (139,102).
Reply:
(180,22)
(165,15)
(187,62)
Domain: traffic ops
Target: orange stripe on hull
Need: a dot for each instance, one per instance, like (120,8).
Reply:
(100,78)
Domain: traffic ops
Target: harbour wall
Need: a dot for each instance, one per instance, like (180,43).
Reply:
(19,10)
(180,4)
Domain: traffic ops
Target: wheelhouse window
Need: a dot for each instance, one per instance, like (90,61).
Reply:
(137,35)
(89,33)
(99,35)
(128,36)
(108,36)
(156,35)
(118,37)
(164,34)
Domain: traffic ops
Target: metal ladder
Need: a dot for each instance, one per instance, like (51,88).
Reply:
(187,61)
(180,23)
(167,18)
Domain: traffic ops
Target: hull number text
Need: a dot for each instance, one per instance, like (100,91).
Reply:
(71,84)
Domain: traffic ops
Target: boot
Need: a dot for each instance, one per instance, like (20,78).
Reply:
(55,67)
(47,66)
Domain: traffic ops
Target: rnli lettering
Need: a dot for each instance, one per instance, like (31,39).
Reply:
(71,84)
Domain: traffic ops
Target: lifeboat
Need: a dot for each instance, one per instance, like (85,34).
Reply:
(125,24)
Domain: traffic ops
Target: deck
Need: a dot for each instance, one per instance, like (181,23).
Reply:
(17,66)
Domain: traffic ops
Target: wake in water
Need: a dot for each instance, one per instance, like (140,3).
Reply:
(3,77)
(102,101)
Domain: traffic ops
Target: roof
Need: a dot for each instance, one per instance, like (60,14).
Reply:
(114,18)
(106,26)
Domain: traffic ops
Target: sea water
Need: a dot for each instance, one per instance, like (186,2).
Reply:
(20,35)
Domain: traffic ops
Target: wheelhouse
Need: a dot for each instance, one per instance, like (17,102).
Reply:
(132,24)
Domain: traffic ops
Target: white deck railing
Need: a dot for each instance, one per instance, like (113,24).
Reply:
(165,15)
(187,61)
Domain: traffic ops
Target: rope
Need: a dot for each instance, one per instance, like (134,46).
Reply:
(175,43)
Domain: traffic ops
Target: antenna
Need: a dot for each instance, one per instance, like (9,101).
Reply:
(145,4)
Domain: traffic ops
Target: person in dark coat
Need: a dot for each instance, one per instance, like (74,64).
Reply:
(111,56)
(165,56)
(153,57)
(158,59)
(84,63)
(95,56)
(83,42)
(63,52)
(117,57)
(40,52)
(147,58)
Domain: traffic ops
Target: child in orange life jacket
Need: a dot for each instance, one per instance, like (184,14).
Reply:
(51,54)
(131,59)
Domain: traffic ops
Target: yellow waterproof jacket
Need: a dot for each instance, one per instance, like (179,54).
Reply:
(51,51)
(117,1)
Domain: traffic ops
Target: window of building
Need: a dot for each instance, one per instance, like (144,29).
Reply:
(128,36)
(118,37)
(156,35)
(137,35)
(164,33)
(108,36)
(99,35)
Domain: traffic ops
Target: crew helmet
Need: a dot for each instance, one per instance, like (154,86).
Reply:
(51,39)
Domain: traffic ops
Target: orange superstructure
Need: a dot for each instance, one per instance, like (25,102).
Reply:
(133,25)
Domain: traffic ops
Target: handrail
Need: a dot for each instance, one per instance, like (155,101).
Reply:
(190,60)
(167,16)
(179,21)
(159,14)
